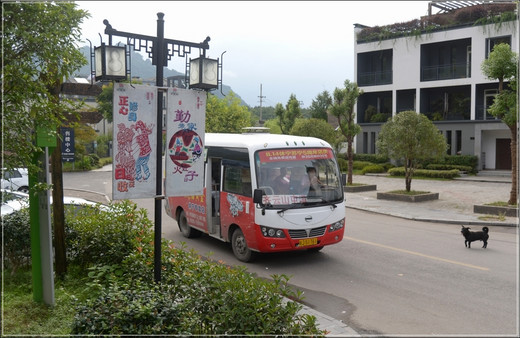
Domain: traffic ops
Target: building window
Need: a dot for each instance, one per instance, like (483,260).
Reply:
(448,141)
(373,142)
(365,142)
(491,42)
(458,140)
(375,68)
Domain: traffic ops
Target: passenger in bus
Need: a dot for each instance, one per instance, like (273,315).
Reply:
(280,183)
(299,181)
(315,184)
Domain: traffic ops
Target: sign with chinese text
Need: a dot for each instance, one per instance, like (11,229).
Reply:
(295,154)
(185,125)
(67,144)
(135,140)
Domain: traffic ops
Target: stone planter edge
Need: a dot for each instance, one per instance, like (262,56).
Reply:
(407,198)
(495,210)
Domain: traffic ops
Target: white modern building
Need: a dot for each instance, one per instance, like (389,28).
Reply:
(433,65)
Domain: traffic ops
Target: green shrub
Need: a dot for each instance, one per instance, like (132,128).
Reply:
(343,164)
(359,165)
(104,237)
(447,174)
(448,167)
(373,169)
(195,297)
(16,239)
(373,158)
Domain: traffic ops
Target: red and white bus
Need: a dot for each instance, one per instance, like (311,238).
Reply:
(265,193)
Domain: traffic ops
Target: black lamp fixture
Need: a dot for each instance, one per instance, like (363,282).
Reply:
(110,63)
(204,73)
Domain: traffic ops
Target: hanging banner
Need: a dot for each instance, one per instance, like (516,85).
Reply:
(185,123)
(135,150)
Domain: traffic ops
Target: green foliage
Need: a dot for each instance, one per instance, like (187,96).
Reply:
(411,137)
(314,128)
(195,296)
(373,169)
(226,115)
(343,164)
(320,106)
(449,167)
(360,165)
(288,115)
(42,51)
(374,158)
(104,237)
(16,240)
(446,174)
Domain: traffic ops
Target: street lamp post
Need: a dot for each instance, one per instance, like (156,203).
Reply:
(160,50)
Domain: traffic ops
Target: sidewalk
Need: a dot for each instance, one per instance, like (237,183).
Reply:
(455,203)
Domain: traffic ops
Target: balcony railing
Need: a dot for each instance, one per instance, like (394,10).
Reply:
(444,72)
(375,78)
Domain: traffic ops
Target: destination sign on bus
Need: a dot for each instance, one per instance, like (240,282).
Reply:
(295,154)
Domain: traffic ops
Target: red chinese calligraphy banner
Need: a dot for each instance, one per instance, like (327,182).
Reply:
(185,126)
(135,138)
(295,154)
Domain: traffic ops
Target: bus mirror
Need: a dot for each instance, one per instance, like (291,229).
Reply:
(257,196)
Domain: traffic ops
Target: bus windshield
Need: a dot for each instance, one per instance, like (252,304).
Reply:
(298,176)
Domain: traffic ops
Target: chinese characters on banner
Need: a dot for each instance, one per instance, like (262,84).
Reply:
(135,133)
(185,122)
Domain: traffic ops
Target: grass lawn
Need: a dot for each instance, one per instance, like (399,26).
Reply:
(23,316)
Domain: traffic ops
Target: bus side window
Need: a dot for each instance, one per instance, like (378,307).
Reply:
(237,180)
(246,182)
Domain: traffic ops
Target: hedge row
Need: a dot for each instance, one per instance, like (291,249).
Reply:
(449,167)
(448,174)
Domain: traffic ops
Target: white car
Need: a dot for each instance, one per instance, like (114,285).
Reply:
(15,200)
(15,179)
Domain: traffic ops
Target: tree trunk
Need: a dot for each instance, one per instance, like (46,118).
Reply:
(408,175)
(350,157)
(513,197)
(58,211)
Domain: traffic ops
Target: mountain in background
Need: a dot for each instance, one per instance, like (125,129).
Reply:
(145,70)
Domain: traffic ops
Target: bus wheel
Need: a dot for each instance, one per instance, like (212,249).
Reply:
(240,248)
(185,228)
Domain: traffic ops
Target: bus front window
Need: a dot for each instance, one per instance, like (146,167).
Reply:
(288,180)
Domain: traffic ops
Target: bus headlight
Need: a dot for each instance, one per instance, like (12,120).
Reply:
(337,225)
(271,232)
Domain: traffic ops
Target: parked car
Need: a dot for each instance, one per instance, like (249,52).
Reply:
(15,179)
(16,200)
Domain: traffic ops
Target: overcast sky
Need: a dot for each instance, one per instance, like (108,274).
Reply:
(290,47)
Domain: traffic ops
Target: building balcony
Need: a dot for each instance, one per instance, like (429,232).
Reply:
(446,72)
(375,78)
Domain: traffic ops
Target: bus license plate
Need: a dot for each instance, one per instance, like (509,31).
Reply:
(308,241)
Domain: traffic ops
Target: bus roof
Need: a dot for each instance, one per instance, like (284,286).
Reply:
(263,140)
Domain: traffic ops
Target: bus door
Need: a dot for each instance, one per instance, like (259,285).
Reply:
(236,202)
(213,184)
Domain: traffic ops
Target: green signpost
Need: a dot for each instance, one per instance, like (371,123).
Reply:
(39,213)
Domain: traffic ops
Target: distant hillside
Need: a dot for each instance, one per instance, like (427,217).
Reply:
(144,69)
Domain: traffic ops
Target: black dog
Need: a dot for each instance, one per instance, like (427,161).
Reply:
(471,236)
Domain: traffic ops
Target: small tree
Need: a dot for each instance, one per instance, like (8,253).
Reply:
(502,65)
(343,110)
(314,128)
(320,106)
(226,115)
(288,115)
(411,137)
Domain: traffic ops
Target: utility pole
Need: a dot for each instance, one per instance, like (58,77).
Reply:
(261,122)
